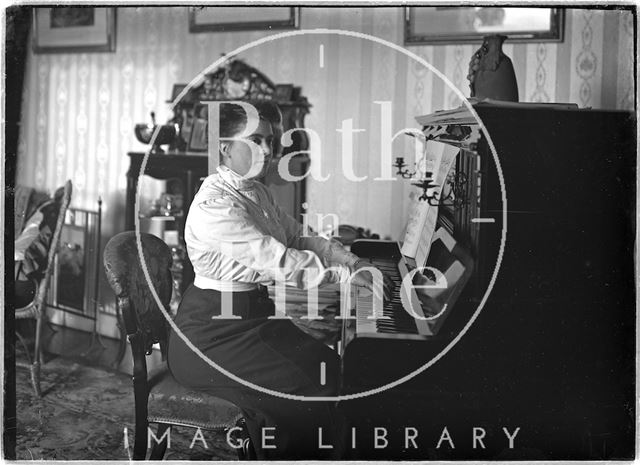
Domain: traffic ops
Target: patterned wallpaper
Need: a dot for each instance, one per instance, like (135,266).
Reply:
(79,109)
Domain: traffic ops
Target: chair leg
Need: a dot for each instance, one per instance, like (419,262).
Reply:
(140,441)
(246,452)
(33,365)
(25,346)
(37,354)
(122,343)
(158,450)
(35,378)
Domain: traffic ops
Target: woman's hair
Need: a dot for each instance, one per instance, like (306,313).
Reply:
(233,118)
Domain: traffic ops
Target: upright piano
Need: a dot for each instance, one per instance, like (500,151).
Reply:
(552,349)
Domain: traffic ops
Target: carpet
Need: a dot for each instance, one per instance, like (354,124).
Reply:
(83,414)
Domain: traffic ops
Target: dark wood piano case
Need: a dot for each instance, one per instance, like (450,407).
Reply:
(553,349)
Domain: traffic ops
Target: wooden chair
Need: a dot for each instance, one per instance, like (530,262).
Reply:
(41,255)
(158,397)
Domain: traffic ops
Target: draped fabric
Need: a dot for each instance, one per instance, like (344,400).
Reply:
(79,110)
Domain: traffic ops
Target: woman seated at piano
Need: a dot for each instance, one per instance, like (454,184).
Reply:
(239,240)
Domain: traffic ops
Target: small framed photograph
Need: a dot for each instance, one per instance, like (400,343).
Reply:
(217,18)
(284,92)
(198,140)
(461,24)
(74,29)
(201,111)
(187,126)
(175,92)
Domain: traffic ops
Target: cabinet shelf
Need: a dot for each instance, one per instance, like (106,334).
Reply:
(161,217)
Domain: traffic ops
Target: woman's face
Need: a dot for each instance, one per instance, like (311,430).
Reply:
(238,156)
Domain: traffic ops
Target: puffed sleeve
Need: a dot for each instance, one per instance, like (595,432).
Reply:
(331,251)
(223,225)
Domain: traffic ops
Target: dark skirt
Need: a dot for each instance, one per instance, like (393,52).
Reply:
(274,354)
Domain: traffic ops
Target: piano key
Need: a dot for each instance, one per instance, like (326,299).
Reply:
(396,319)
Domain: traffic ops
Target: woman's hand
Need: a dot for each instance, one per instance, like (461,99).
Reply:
(365,279)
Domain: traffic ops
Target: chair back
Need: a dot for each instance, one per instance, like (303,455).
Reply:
(40,255)
(144,322)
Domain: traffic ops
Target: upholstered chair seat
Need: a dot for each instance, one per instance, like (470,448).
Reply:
(170,402)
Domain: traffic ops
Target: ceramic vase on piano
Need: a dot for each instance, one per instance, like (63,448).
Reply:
(491,73)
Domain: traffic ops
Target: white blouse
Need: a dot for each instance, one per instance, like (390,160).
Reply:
(237,237)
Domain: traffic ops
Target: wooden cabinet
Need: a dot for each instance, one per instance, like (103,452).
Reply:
(185,170)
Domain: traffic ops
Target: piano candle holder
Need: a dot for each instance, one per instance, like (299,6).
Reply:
(455,191)
(426,184)
(455,187)
(400,164)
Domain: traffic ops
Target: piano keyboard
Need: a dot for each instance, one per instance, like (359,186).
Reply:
(406,315)
(397,322)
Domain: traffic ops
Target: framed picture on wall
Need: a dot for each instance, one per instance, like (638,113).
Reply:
(71,29)
(217,18)
(461,24)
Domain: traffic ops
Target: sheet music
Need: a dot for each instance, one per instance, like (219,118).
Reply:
(462,115)
(424,241)
(417,216)
(419,209)
(423,217)
(447,157)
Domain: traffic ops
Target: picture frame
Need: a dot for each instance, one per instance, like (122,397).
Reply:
(198,139)
(461,24)
(220,19)
(74,29)
(187,126)
(177,88)
(284,92)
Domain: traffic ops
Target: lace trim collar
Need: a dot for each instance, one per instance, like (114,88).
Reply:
(234,179)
